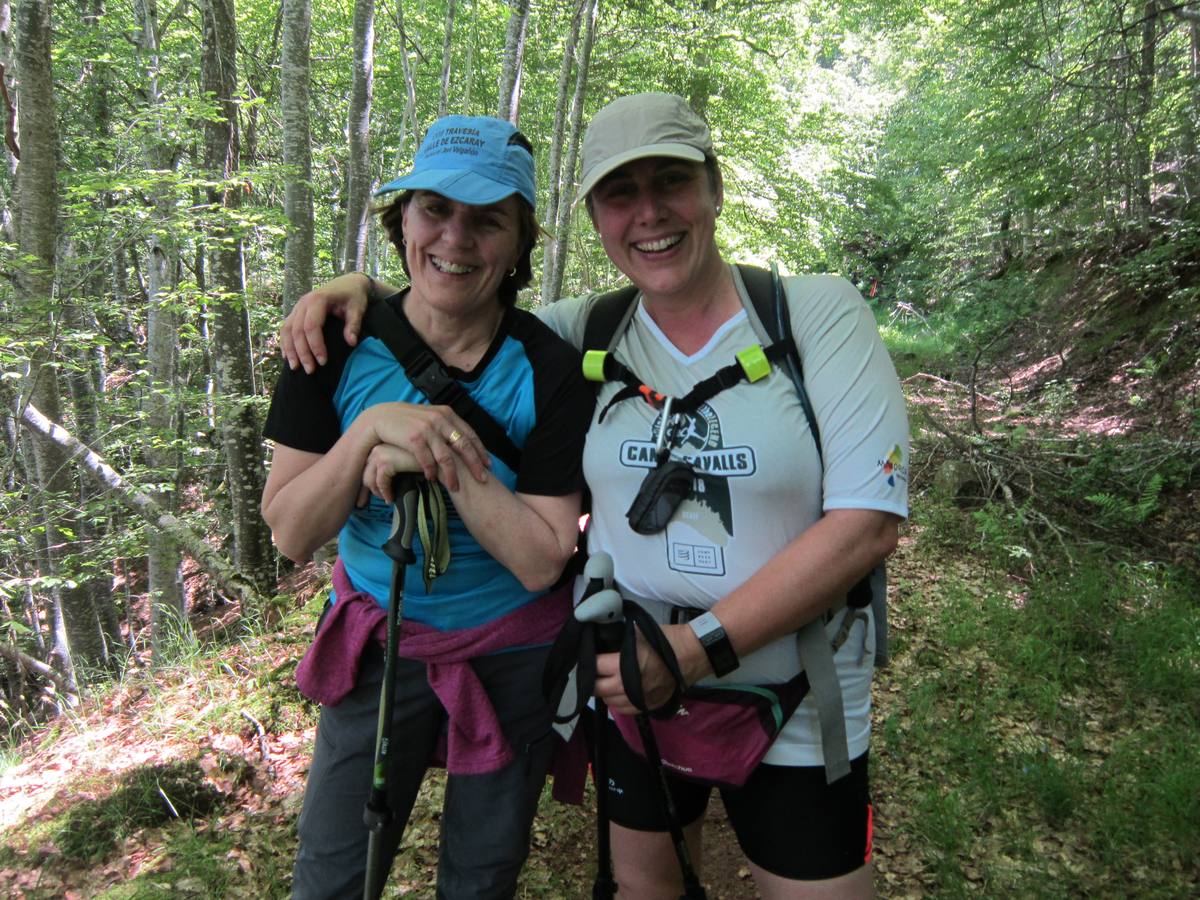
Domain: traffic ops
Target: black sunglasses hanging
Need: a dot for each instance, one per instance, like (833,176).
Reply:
(665,486)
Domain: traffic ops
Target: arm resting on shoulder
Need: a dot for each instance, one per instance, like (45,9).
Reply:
(300,337)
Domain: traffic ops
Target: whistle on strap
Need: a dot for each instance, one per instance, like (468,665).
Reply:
(653,397)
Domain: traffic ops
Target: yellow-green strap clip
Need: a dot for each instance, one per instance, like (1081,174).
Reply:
(593,365)
(754,363)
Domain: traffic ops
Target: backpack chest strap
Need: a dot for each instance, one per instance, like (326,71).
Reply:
(751,364)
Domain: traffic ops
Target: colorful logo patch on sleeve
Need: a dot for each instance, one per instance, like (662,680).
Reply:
(893,466)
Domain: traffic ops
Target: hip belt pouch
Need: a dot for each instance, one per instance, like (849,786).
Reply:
(720,733)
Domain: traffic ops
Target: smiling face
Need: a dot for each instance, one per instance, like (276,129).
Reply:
(656,218)
(457,254)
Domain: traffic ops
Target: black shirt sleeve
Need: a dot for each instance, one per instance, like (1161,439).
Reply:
(552,459)
(302,414)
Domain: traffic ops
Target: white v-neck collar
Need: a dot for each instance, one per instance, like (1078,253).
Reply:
(730,323)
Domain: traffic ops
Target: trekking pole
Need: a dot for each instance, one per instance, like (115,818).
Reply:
(601,607)
(377,814)
(692,888)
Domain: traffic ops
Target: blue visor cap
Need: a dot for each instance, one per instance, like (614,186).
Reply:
(471,159)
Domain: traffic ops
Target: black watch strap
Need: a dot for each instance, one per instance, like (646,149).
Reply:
(716,644)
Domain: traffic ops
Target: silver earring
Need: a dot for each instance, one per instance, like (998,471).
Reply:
(512,271)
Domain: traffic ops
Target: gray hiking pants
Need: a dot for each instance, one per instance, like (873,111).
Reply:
(485,818)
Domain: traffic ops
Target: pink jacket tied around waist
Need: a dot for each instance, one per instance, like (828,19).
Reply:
(475,743)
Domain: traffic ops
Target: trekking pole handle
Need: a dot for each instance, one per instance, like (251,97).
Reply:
(598,572)
(404,518)
(604,609)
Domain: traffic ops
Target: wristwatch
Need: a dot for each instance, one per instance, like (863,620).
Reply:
(716,644)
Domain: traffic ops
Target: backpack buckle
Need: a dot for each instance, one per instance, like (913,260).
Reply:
(430,377)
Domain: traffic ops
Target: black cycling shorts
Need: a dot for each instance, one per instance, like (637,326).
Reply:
(788,821)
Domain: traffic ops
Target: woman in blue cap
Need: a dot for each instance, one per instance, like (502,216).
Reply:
(474,639)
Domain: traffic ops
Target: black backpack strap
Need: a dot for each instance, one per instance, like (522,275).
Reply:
(770,304)
(605,318)
(766,294)
(428,374)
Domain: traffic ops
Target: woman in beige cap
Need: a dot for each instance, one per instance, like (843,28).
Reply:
(776,523)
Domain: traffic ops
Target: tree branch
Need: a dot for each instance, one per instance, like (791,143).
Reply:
(36,667)
(229,580)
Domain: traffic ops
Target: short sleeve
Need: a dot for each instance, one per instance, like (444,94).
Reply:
(552,459)
(856,395)
(303,415)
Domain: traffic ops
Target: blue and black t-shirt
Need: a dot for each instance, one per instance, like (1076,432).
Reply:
(529,381)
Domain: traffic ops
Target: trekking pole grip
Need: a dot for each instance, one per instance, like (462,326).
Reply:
(404,518)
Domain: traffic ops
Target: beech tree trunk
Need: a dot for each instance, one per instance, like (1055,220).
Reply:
(8,97)
(37,231)
(1141,175)
(562,225)
(164,562)
(408,121)
(560,183)
(232,366)
(444,90)
(514,55)
(297,152)
(358,167)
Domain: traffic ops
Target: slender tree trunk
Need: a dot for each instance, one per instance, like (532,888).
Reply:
(444,90)
(1141,175)
(297,152)
(562,226)
(559,186)
(37,232)
(231,354)
(85,377)
(358,169)
(469,92)
(164,562)
(408,121)
(701,80)
(1190,177)
(514,55)
(8,96)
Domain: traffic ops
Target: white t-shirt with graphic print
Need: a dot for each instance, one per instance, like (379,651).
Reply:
(759,481)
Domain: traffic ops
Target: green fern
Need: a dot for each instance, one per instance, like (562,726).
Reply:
(1148,502)
(1117,510)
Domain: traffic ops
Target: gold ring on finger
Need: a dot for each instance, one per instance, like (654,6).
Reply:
(455,436)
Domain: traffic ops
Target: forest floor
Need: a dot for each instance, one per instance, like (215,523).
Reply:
(225,738)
